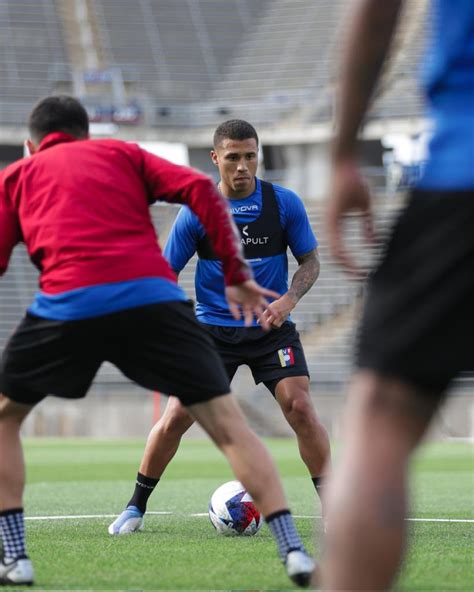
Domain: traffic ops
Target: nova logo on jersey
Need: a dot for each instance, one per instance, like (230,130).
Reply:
(287,357)
(243,209)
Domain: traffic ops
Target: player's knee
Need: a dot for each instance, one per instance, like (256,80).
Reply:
(177,422)
(223,438)
(300,408)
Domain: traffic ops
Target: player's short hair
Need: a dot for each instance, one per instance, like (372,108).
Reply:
(234,129)
(59,113)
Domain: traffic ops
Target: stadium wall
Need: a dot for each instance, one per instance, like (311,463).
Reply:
(127,411)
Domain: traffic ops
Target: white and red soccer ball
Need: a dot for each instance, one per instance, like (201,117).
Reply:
(232,511)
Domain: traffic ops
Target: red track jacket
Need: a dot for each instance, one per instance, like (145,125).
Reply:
(82,209)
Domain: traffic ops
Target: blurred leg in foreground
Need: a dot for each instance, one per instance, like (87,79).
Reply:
(367,499)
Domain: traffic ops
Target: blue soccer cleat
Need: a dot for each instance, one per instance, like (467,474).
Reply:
(130,520)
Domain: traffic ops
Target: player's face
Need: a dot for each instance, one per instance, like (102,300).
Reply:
(237,161)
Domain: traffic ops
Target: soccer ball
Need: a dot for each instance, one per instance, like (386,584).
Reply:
(232,511)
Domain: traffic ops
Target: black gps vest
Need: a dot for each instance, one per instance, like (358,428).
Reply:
(264,237)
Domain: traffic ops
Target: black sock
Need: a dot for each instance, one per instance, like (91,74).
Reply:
(319,484)
(144,487)
(283,529)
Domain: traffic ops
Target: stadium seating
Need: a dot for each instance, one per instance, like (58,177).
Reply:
(176,49)
(181,60)
(31,52)
(287,59)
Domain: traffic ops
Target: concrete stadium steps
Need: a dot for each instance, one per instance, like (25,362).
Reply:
(176,48)
(192,63)
(17,288)
(287,51)
(81,34)
(31,49)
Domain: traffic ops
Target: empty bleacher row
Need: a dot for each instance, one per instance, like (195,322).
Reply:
(173,52)
(31,51)
(176,48)
(288,59)
(191,62)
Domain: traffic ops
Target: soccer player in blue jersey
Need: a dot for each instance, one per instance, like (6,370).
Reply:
(270,219)
(418,321)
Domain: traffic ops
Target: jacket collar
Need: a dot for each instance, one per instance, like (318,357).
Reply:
(55,138)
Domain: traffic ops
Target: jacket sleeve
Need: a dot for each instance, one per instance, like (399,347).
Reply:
(10,233)
(172,183)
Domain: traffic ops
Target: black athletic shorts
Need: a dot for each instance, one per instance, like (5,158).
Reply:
(271,356)
(418,321)
(161,347)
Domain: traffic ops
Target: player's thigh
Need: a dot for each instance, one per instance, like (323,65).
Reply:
(386,416)
(418,318)
(168,350)
(222,418)
(12,410)
(47,357)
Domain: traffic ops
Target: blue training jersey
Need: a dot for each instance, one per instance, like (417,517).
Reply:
(448,81)
(270,272)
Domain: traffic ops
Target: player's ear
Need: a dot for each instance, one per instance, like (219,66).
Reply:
(214,157)
(31,147)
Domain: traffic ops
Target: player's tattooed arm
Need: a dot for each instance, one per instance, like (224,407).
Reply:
(307,273)
(305,276)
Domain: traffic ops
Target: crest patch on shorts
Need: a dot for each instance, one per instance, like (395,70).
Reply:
(287,357)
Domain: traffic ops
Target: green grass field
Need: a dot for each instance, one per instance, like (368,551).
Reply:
(182,551)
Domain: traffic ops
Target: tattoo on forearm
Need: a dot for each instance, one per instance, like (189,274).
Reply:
(305,276)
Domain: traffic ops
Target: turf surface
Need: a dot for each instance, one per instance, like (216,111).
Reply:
(181,551)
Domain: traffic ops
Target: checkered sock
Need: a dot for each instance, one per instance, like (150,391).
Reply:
(12,530)
(283,529)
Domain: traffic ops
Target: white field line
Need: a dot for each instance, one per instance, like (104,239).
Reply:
(92,516)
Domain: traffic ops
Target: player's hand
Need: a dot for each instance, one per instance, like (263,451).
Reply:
(278,311)
(249,300)
(348,194)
